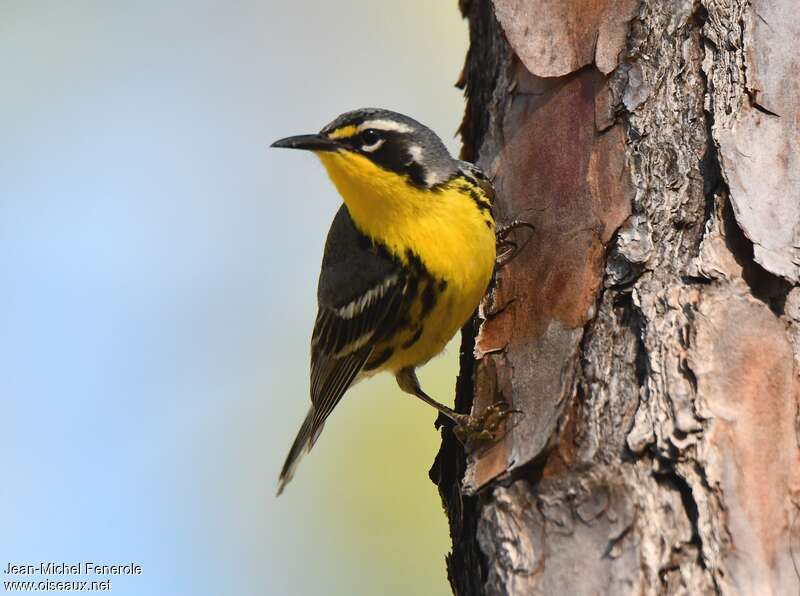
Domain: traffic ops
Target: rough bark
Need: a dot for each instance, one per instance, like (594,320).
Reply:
(650,328)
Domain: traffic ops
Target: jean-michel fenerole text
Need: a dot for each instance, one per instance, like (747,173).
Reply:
(85,568)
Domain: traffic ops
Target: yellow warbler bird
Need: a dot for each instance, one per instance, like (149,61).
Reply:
(408,257)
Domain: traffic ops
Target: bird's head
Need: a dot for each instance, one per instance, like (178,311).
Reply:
(371,146)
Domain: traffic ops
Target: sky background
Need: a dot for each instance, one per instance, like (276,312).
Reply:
(158,269)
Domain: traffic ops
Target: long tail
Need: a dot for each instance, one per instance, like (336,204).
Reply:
(303,443)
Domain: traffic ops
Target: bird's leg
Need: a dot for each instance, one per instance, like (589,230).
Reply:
(468,429)
(511,248)
(408,382)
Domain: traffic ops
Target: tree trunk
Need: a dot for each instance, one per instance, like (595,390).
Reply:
(649,330)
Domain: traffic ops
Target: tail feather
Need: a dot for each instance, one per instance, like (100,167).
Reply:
(303,442)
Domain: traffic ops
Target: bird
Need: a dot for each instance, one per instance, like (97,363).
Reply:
(408,257)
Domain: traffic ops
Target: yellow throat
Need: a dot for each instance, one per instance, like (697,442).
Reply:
(444,227)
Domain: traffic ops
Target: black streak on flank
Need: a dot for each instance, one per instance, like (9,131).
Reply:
(411,285)
(414,262)
(428,299)
(482,204)
(382,357)
(414,339)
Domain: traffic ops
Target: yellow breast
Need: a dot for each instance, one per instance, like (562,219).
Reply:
(445,228)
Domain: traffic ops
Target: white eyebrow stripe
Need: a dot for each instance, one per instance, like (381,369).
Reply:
(385,125)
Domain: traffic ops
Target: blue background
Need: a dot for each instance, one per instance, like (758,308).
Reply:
(158,270)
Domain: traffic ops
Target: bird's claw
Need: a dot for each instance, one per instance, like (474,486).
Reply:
(504,230)
(484,428)
(509,247)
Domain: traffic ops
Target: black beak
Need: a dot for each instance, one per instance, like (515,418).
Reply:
(307,143)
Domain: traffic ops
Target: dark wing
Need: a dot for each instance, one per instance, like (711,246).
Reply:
(363,293)
(361,296)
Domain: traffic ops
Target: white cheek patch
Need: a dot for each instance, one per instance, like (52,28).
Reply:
(389,125)
(431,177)
(376,145)
(415,151)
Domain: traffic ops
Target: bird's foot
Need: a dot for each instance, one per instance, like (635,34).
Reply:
(507,248)
(484,428)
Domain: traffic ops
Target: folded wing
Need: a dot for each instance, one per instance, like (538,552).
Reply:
(363,295)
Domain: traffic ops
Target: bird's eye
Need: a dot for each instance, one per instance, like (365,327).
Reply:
(370,137)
